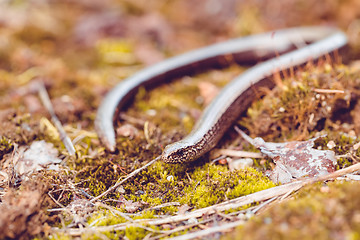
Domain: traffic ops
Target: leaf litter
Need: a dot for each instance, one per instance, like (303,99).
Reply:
(294,159)
(40,155)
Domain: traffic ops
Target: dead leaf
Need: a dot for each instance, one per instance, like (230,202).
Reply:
(41,155)
(21,215)
(129,205)
(80,210)
(127,130)
(295,159)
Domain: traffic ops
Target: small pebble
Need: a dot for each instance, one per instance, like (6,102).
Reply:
(356,146)
(249,214)
(331,144)
(352,134)
(120,189)
(192,221)
(324,189)
(311,118)
(267,220)
(240,163)
(151,112)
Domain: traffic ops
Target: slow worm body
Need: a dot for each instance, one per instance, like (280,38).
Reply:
(278,50)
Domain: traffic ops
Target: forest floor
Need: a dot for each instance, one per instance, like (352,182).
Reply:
(76,51)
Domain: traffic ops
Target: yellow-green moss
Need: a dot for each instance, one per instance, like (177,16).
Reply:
(115,51)
(107,218)
(6,146)
(212,184)
(59,236)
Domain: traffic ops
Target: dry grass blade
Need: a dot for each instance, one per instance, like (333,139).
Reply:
(44,96)
(208,231)
(238,153)
(328,91)
(119,182)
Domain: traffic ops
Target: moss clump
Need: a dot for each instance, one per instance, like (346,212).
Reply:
(212,184)
(107,218)
(117,52)
(6,146)
(294,109)
(316,212)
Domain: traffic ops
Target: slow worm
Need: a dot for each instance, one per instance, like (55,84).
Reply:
(276,50)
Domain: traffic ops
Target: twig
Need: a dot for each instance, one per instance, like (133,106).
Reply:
(208,231)
(44,96)
(57,202)
(328,90)
(238,153)
(123,215)
(118,182)
(163,205)
(181,228)
(336,174)
(255,210)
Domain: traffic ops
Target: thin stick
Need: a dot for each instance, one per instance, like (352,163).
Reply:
(328,91)
(44,96)
(255,210)
(118,182)
(121,214)
(208,231)
(336,174)
(238,153)
(163,205)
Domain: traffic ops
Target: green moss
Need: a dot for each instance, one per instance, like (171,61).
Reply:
(6,146)
(106,218)
(59,236)
(135,233)
(212,184)
(293,109)
(115,51)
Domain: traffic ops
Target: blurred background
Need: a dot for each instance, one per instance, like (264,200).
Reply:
(81,48)
(151,29)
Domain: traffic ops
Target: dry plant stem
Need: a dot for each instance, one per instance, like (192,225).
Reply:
(121,214)
(238,153)
(267,202)
(328,91)
(44,96)
(178,229)
(208,231)
(118,183)
(57,202)
(163,205)
(336,174)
